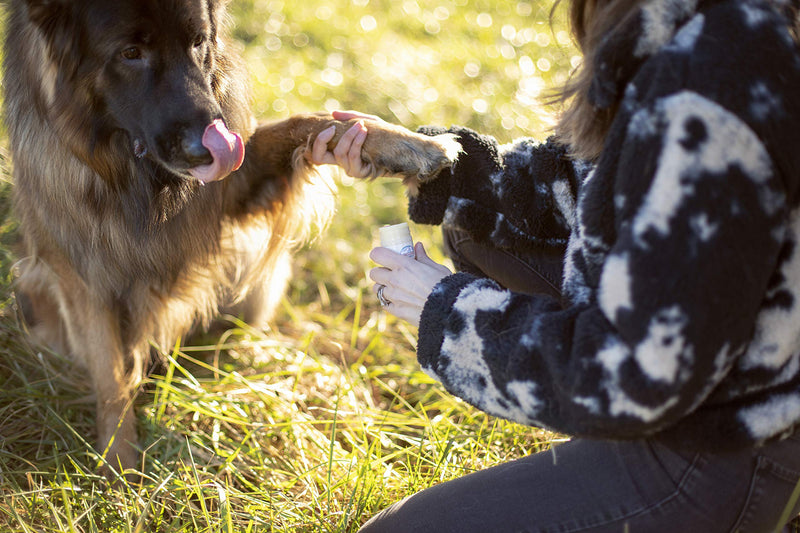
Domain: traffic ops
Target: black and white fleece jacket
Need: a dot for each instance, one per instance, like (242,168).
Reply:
(681,310)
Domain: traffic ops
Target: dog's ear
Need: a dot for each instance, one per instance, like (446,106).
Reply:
(48,15)
(54,18)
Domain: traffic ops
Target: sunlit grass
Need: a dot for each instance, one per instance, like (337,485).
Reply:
(257,431)
(323,420)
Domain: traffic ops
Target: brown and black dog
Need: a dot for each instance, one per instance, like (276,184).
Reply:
(128,120)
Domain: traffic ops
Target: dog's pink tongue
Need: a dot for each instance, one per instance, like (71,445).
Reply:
(227,149)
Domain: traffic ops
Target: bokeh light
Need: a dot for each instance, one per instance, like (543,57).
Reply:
(484,64)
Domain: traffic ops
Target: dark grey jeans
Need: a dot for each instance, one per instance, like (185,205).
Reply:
(610,487)
(640,486)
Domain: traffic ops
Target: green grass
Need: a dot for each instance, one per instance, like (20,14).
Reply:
(325,419)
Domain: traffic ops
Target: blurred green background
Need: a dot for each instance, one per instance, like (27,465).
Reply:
(478,63)
(489,65)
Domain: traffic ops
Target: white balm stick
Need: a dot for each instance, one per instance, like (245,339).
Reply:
(398,238)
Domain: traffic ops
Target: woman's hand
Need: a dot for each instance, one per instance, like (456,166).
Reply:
(347,153)
(407,282)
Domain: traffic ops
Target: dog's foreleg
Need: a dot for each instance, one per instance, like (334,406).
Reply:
(392,150)
(94,338)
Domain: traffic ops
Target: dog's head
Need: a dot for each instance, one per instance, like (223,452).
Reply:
(142,79)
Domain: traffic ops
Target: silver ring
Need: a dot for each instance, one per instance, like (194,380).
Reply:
(381,298)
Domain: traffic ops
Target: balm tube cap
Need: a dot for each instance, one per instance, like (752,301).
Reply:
(397,238)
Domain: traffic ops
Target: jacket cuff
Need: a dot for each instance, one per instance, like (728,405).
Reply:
(429,205)
(433,322)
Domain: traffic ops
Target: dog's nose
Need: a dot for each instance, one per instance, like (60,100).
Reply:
(194,152)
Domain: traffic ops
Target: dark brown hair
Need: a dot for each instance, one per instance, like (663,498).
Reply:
(582,126)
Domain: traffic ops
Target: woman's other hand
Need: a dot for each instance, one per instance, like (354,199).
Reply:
(407,281)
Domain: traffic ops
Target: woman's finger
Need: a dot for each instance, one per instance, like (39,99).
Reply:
(397,283)
(409,311)
(319,150)
(388,258)
(357,167)
(342,147)
(397,295)
(436,269)
(380,275)
(422,254)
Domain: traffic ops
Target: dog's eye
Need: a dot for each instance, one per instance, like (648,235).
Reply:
(132,53)
(199,40)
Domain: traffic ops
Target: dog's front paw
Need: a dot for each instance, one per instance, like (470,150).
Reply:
(441,152)
(396,151)
(435,154)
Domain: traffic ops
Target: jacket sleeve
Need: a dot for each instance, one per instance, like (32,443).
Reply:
(516,195)
(672,285)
